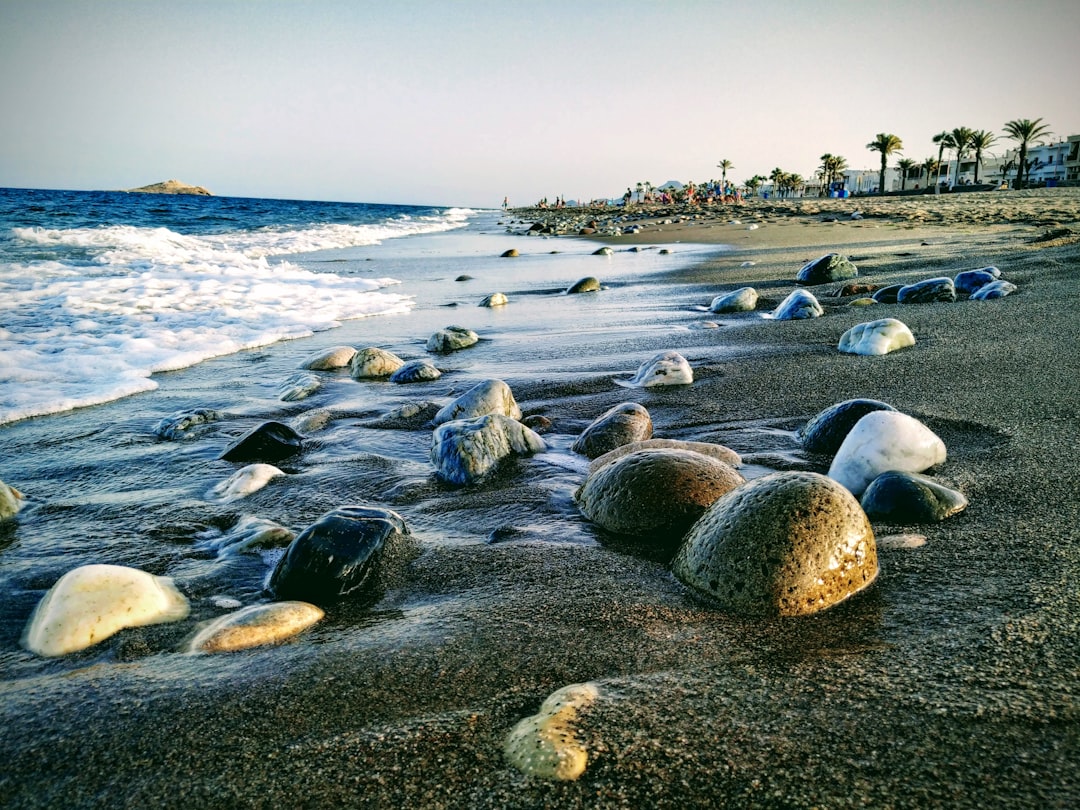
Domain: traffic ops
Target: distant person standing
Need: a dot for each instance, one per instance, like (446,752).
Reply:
(506,203)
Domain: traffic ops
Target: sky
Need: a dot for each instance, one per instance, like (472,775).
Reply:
(465,102)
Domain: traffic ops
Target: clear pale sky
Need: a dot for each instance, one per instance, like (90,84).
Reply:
(462,102)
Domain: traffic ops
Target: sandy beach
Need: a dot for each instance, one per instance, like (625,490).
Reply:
(953,681)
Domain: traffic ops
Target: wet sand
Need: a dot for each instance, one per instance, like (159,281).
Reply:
(953,681)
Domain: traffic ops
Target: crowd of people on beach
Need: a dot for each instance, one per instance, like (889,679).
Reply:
(707,193)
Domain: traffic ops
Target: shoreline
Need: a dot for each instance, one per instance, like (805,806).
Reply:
(952,681)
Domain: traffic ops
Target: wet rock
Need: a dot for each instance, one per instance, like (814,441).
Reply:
(716,451)
(928,291)
(243,482)
(11,501)
(970,280)
(856,289)
(604,251)
(666,368)
(797,306)
(338,556)
(247,534)
(269,442)
(451,339)
(298,387)
(337,357)
(464,277)
(495,300)
(489,396)
(465,450)
(876,337)
(658,492)
(741,300)
(587,284)
(995,289)
(827,431)
(887,295)
(416,371)
(93,602)
(904,497)
(374,363)
(509,254)
(410,416)
(545,745)
(787,544)
(179,425)
(829,268)
(537,422)
(626,422)
(255,626)
(883,441)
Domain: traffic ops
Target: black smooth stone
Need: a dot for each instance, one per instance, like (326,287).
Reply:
(903,497)
(268,443)
(827,431)
(971,280)
(887,295)
(928,291)
(338,555)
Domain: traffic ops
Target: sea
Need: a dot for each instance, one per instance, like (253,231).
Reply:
(121,311)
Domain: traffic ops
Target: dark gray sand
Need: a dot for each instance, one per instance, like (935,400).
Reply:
(953,681)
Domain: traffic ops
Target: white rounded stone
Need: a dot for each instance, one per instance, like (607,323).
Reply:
(741,300)
(883,441)
(337,357)
(876,337)
(489,396)
(373,362)
(545,745)
(666,368)
(243,482)
(451,339)
(255,626)
(11,501)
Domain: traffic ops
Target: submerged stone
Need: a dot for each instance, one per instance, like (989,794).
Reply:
(545,745)
(255,626)
(248,534)
(298,386)
(587,284)
(93,602)
(928,291)
(883,441)
(268,443)
(330,359)
(741,300)
(495,300)
(489,396)
(995,289)
(11,501)
(373,363)
(905,497)
(421,370)
(509,254)
(666,368)
(626,422)
(451,339)
(338,556)
(465,450)
(827,431)
(787,544)
(243,482)
(800,305)
(179,425)
(876,337)
(829,268)
(717,451)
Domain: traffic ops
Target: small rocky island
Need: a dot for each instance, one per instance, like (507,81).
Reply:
(170,187)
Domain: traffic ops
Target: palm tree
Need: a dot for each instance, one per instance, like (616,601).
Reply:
(981,139)
(930,166)
(777,176)
(942,140)
(886,144)
(905,165)
(793,182)
(1024,131)
(724,165)
(960,140)
(754,183)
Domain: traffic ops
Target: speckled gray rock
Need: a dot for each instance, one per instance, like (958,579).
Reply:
(451,339)
(741,300)
(625,423)
(827,431)
(373,363)
(587,284)
(489,396)
(829,268)
(330,359)
(465,450)
(928,291)
(787,544)
(995,289)
(717,451)
(298,386)
(416,371)
(654,492)
(904,497)
(337,556)
(269,442)
(410,416)
(797,306)
(887,295)
(179,425)
(970,280)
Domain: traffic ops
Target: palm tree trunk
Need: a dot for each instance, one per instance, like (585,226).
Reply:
(881,177)
(1020,163)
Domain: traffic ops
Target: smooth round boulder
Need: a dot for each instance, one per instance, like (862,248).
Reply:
(995,289)
(489,396)
(11,501)
(604,251)
(298,387)
(829,268)
(800,305)
(883,441)
(584,285)
(666,368)
(93,602)
(414,371)
(451,339)
(546,745)
(717,451)
(928,291)
(654,493)
(742,300)
(330,359)
(826,432)
(786,544)
(179,425)
(374,363)
(887,295)
(512,253)
(243,482)
(465,450)
(269,443)
(876,337)
(495,300)
(625,423)
(337,556)
(904,497)
(255,626)
(971,280)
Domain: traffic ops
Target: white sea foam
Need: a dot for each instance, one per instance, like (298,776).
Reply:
(126,302)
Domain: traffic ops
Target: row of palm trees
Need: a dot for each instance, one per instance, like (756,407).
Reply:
(961,140)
